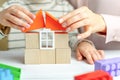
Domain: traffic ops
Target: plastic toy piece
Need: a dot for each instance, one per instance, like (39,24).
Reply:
(53,24)
(37,23)
(112,66)
(5,74)
(96,75)
(15,71)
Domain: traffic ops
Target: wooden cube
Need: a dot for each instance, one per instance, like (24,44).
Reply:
(32,40)
(61,40)
(32,56)
(63,56)
(47,56)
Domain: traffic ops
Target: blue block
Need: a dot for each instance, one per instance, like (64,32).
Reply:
(112,66)
(5,74)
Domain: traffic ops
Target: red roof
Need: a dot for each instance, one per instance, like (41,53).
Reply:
(51,23)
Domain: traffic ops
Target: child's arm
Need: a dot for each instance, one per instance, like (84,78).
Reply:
(85,49)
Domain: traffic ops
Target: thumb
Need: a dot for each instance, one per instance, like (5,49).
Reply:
(84,35)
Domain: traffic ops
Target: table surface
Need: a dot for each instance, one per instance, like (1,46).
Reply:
(50,71)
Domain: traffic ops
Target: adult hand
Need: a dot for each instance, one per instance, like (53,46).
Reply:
(83,17)
(17,17)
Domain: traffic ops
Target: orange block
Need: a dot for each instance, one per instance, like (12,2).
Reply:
(37,23)
(53,24)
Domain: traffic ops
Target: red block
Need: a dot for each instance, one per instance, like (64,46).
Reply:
(96,75)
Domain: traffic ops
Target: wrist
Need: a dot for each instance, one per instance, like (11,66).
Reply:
(103,26)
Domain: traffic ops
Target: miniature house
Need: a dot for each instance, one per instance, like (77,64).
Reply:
(49,44)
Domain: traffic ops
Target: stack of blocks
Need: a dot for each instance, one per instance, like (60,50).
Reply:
(112,66)
(9,72)
(96,75)
(60,54)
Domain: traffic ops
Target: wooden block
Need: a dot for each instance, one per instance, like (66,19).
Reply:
(32,56)
(32,40)
(47,56)
(63,56)
(61,41)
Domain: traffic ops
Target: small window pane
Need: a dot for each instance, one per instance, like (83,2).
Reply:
(50,44)
(43,35)
(43,44)
(50,36)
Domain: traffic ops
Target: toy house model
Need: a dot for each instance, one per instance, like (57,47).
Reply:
(49,45)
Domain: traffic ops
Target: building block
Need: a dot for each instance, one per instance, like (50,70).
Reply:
(37,23)
(32,56)
(5,74)
(32,40)
(47,56)
(96,75)
(112,66)
(14,70)
(61,38)
(37,56)
(53,24)
(63,56)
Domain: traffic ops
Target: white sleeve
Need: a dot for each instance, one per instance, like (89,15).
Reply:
(113,27)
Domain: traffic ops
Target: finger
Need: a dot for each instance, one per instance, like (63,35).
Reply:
(98,55)
(32,16)
(71,14)
(17,21)
(84,35)
(88,57)
(78,55)
(94,56)
(101,52)
(9,23)
(78,24)
(74,19)
(22,16)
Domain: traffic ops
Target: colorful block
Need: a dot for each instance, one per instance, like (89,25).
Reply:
(37,23)
(5,74)
(112,66)
(15,71)
(96,75)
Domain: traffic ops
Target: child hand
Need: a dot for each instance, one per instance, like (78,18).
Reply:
(16,17)
(88,51)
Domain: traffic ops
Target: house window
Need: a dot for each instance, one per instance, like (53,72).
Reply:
(47,40)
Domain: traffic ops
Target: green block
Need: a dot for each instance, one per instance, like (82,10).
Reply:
(14,70)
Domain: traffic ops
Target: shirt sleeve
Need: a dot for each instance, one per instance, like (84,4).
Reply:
(113,27)
(74,42)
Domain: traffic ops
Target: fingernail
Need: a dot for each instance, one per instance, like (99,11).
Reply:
(31,21)
(64,25)
(23,29)
(27,26)
(79,37)
(68,30)
(60,20)
(34,16)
